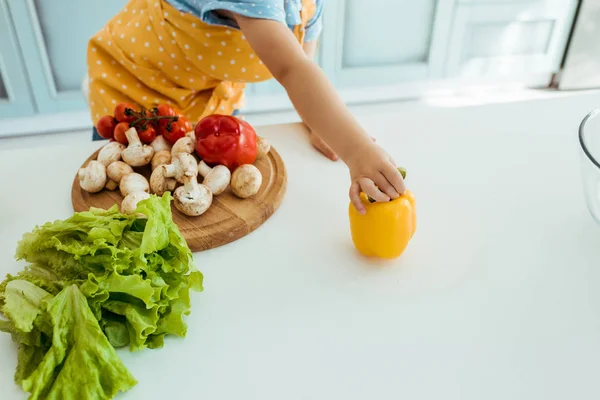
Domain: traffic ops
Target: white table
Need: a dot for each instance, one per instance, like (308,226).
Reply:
(497,296)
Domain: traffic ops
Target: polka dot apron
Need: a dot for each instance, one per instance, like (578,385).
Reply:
(150,53)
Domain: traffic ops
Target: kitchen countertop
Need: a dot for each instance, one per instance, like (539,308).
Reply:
(496,297)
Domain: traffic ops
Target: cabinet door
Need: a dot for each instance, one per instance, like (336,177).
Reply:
(520,40)
(53,35)
(15,99)
(385,42)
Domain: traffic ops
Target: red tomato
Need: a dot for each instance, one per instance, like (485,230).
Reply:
(185,123)
(106,126)
(121,113)
(164,110)
(148,134)
(177,132)
(120,130)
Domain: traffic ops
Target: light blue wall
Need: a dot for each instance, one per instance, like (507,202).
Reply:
(364,44)
(15,96)
(53,36)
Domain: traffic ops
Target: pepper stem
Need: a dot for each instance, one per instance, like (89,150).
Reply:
(402,171)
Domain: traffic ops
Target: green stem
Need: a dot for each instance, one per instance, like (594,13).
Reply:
(402,171)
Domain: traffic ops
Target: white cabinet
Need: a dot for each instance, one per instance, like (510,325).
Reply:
(509,40)
(371,50)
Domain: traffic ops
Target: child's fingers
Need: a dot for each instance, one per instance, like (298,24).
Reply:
(355,198)
(368,186)
(394,178)
(382,183)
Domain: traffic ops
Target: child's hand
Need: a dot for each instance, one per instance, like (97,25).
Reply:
(374,172)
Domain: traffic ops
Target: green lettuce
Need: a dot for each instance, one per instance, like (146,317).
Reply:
(129,274)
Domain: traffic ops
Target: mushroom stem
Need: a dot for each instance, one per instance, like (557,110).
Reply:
(136,154)
(204,169)
(182,165)
(133,137)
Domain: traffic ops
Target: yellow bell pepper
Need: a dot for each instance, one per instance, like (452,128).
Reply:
(385,230)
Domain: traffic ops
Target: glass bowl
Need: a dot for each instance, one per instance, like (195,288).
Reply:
(589,139)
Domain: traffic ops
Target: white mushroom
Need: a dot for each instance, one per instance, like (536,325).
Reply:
(160,144)
(159,183)
(162,157)
(182,165)
(92,177)
(216,179)
(192,198)
(262,147)
(132,183)
(246,181)
(115,172)
(184,145)
(110,153)
(192,135)
(130,202)
(136,154)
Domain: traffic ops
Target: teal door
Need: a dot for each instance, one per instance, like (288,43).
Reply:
(53,36)
(15,97)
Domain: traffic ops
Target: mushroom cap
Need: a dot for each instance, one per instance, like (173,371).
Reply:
(183,145)
(130,202)
(162,157)
(246,181)
(262,147)
(192,199)
(136,154)
(117,170)
(160,144)
(132,183)
(110,153)
(92,177)
(159,183)
(217,179)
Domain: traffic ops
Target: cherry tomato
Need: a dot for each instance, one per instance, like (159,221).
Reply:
(120,130)
(187,125)
(177,132)
(164,110)
(121,113)
(148,134)
(106,126)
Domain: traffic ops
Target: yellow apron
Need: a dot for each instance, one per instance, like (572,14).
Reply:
(150,53)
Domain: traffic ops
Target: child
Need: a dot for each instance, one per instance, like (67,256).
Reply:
(198,54)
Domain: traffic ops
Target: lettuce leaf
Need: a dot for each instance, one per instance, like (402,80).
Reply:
(23,303)
(77,344)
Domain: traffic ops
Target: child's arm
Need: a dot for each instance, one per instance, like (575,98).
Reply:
(310,49)
(316,100)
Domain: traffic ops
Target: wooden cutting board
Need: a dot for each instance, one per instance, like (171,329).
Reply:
(228,218)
